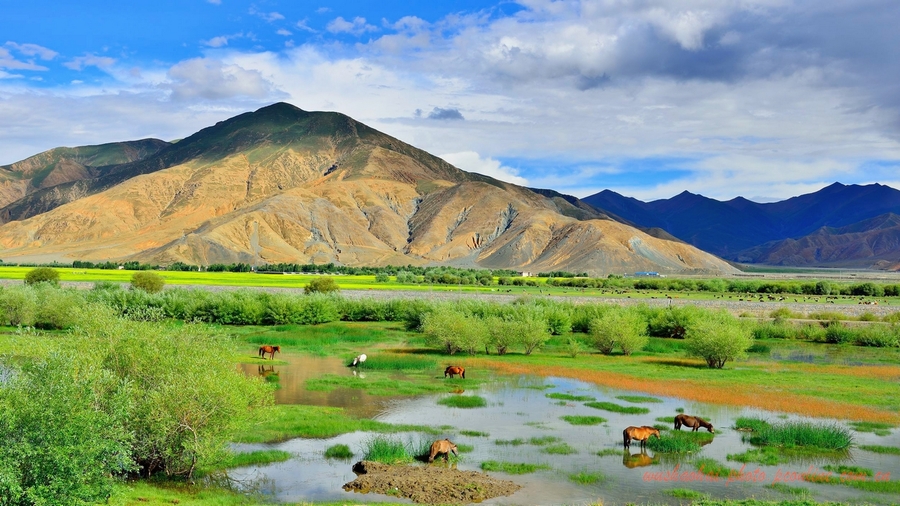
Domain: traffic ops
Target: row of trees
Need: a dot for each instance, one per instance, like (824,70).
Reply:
(718,285)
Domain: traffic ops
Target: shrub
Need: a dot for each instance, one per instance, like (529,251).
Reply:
(42,275)
(321,285)
(452,331)
(717,338)
(18,305)
(56,307)
(674,321)
(147,281)
(623,327)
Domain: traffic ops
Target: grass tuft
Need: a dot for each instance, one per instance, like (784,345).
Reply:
(712,467)
(339,451)
(679,442)
(887,450)
(570,397)
(804,434)
(878,428)
(512,467)
(750,424)
(789,490)
(463,401)
(474,433)
(543,440)
(638,398)
(686,493)
(609,452)
(617,408)
(510,442)
(388,450)
(583,420)
(559,449)
(587,478)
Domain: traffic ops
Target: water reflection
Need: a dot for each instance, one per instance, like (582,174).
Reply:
(632,460)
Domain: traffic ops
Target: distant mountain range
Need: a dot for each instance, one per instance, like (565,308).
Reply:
(837,226)
(285,185)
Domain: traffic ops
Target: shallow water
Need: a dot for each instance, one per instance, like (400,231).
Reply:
(519,408)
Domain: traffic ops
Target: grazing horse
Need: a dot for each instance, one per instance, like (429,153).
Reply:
(455,369)
(269,349)
(641,434)
(442,446)
(694,422)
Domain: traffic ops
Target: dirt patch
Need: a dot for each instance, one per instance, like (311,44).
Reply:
(430,484)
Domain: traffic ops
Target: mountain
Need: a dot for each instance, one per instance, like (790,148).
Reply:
(285,185)
(776,232)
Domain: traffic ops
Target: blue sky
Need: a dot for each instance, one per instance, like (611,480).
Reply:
(765,99)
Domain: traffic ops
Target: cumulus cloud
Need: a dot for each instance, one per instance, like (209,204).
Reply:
(357,26)
(211,79)
(221,40)
(471,161)
(441,114)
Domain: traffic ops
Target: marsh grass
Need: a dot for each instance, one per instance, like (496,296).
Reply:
(510,442)
(512,467)
(886,450)
(660,427)
(850,470)
(789,434)
(400,362)
(767,456)
(474,433)
(570,397)
(463,448)
(789,490)
(712,467)
(638,399)
(610,452)
(686,493)
(878,428)
(391,450)
(666,419)
(254,458)
(463,401)
(583,420)
(883,487)
(587,477)
(559,449)
(618,408)
(339,451)
(677,442)
(287,421)
(544,440)
(750,424)
(376,383)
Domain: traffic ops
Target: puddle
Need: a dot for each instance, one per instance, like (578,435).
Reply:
(518,408)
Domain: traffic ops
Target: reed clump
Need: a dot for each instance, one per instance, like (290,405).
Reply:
(617,408)
(790,434)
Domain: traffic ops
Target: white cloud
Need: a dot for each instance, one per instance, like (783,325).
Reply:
(33,50)
(283,32)
(471,161)
(211,79)
(90,60)
(356,27)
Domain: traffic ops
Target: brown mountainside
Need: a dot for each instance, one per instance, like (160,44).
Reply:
(284,185)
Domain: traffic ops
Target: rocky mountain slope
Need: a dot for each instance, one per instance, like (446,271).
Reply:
(285,185)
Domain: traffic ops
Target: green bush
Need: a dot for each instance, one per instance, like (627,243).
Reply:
(717,338)
(42,275)
(18,305)
(56,307)
(147,281)
(623,327)
(450,330)
(63,432)
(322,285)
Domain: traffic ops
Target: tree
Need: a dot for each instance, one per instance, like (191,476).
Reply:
(718,337)
(452,331)
(321,285)
(147,281)
(623,327)
(42,275)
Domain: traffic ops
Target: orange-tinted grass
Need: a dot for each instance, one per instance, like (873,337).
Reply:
(743,395)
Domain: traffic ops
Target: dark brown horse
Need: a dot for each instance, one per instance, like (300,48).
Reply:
(641,434)
(694,422)
(269,349)
(455,369)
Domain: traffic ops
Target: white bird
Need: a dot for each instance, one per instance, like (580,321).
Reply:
(358,360)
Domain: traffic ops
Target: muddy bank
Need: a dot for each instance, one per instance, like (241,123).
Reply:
(429,484)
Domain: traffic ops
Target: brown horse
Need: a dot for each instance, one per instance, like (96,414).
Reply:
(455,369)
(693,422)
(641,434)
(269,349)
(442,446)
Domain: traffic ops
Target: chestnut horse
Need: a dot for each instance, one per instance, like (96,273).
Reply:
(693,422)
(455,369)
(641,434)
(269,349)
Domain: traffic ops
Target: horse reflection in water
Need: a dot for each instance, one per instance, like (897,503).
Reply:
(632,460)
(267,370)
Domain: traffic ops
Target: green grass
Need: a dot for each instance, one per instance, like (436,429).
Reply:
(660,427)
(285,422)
(850,470)
(463,401)
(712,467)
(789,490)
(510,442)
(583,420)
(666,419)
(789,434)
(339,451)
(380,384)
(254,458)
(559,449)
(159,493)
(464,448)
(474,433)
(767,456)
(609,452)
(750,424)
(638,398)
(388,450)
(543,440)
(686,493)
(570,397)
(400,362)
(878,428)
(618,408)
(859,483)
(678,442)
(587,478)
(886,450)
(512,467)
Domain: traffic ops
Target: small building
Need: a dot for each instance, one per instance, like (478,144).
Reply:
(648,274)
